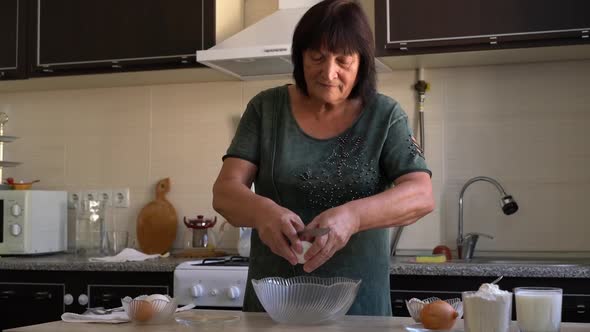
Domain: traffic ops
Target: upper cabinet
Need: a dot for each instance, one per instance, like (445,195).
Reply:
(418,27)
(90,36)
(12,39)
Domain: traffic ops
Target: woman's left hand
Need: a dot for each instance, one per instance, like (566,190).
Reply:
(343,223)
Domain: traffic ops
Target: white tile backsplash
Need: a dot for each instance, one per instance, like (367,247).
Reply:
(525,125)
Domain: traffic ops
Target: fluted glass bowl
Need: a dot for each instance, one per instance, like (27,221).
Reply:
(153,309)
(306,300)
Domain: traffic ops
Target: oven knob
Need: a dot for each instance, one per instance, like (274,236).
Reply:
(15,229)
(16,210)
(233,293)
(213,292)
(68,299)
(83,299)
(197,291)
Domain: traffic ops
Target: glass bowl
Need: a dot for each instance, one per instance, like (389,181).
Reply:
(306,300)
(153,309)
(415,306)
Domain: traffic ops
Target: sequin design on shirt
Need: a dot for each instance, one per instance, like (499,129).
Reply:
(345,175)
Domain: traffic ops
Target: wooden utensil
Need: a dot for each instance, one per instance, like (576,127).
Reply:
(157,222)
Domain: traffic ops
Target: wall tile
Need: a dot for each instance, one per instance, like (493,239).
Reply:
(522,124)
(106,111)
(42,158)
(195,108)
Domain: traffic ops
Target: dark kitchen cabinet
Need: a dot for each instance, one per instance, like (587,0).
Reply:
(92,36)
(30,303)
(575,302)
(35,297)
(418,27)
(13,32)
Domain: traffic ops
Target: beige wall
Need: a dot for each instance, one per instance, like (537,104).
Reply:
(525,125)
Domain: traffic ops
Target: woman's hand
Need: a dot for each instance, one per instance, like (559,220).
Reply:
(277,228)
(343,223)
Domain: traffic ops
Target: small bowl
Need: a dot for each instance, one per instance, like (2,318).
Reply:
(415,306)
(22,186)
(151,309)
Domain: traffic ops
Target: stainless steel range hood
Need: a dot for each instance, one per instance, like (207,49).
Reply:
(263,50)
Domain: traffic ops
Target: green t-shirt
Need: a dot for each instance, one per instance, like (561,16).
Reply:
(308,176)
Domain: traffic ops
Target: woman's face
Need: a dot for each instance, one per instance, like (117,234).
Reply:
(330,76)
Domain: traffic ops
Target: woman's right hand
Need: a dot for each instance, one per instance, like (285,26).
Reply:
(277,228)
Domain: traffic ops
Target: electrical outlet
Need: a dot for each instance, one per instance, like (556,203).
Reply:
(74,199)
(91,195)
(121,197)
(106,195)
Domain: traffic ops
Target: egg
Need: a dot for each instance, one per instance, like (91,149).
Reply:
(154,297)
(142,311)
(300,257)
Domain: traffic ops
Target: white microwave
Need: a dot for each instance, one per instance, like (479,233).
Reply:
(33,222)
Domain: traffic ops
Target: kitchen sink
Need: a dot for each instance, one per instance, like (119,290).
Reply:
(525,261)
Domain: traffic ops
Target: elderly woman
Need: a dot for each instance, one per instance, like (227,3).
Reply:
(327,152)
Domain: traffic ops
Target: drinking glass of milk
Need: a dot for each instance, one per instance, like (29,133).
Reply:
(538,308)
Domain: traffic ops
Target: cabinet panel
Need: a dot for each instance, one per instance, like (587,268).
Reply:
(410,20)
(30,303)
(119,35)
(405,27)
(12,38)
(71,291)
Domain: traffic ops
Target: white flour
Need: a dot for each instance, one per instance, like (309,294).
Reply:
(487,310)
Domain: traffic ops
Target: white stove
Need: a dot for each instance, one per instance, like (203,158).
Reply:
(212,282)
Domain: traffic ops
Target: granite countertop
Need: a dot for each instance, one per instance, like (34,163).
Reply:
(403,265)
(250,321)
(69,262)
(400,265)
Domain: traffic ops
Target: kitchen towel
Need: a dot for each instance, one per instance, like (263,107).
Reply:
(127,255)
(112,318)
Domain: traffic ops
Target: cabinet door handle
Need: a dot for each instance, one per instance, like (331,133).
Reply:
(7,294)
(107,296)
(398,303)
(42,296)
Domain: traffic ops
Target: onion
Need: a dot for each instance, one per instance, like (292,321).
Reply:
(438,315)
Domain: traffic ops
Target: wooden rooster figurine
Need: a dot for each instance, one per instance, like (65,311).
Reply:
(157,222)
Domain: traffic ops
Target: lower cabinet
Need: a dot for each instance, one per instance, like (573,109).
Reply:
(35,297)
(575,303)
(30,303)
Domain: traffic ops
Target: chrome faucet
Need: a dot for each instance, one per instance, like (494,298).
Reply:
(466,244)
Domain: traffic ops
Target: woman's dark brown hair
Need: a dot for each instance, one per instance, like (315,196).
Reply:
(338,26)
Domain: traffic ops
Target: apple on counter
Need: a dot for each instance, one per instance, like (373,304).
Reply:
(443,250)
